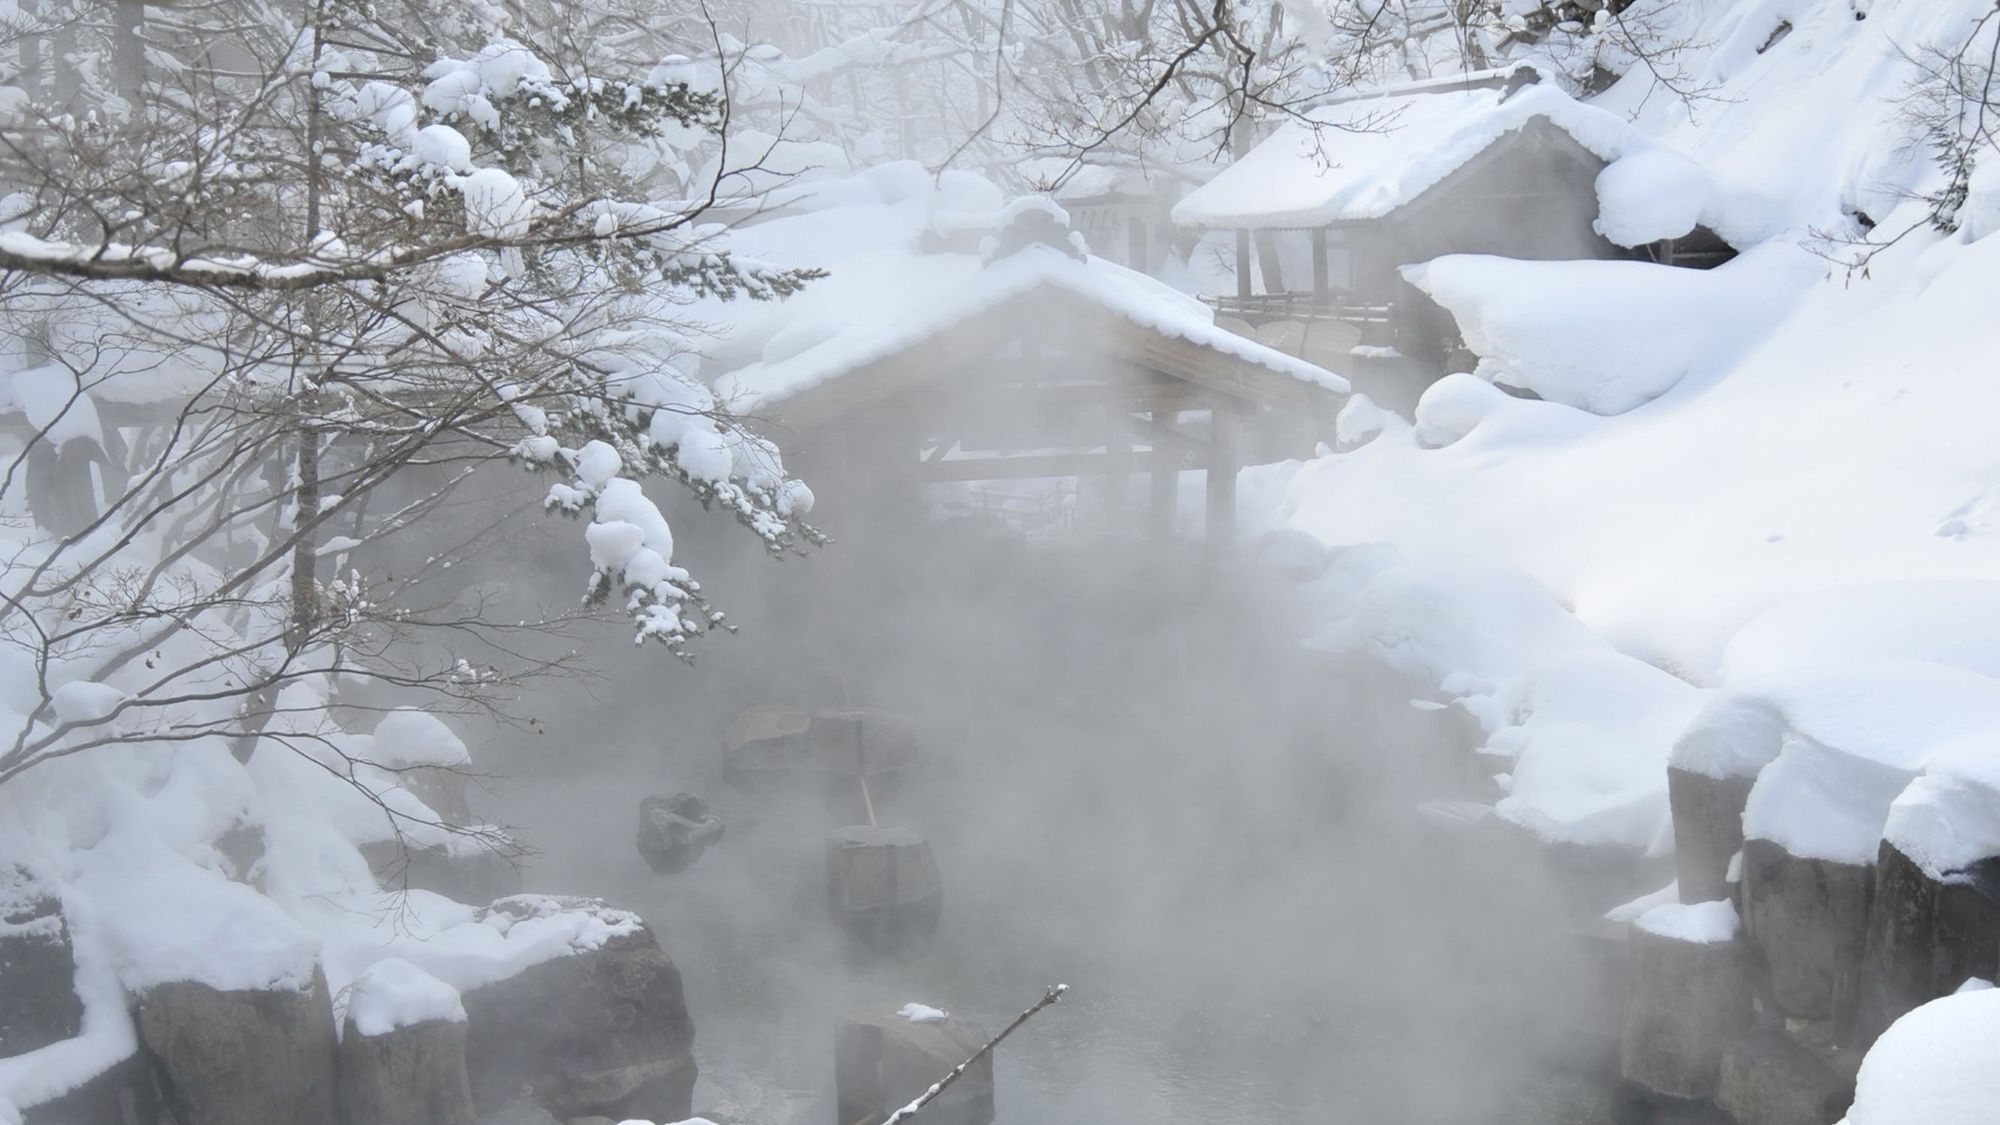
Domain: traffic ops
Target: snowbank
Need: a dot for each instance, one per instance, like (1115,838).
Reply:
(1703,923)
(1609,336)
(1938,1065)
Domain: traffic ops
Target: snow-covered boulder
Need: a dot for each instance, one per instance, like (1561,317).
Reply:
(1938,1065)
(604,1030)
(243,1056)
(1689,996)
(1927,933)
(1708,830)
(885,1055)
(38,1001)
(1808,917)
(402,1051)
(478,865)
(427,758)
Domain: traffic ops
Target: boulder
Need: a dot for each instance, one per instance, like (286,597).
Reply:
(674,831)
(248,1057)
(1685,999)
(1708,830)
(1767,1078)
(774,748)
(601,1032)
(1589,994)
(476,867)
(517,1110)
(1925,936)
(763,744)
(1809,920)
(38,1001)
(123,1094)
(412,1075)
(885,889)
(882,1061)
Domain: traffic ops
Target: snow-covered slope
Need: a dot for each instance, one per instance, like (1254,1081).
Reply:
(1776,467)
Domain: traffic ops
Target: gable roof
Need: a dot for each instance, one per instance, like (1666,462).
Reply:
(1366,157)
(910,317)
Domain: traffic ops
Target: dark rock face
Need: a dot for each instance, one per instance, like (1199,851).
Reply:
(605,1033)
(468,873)
(674,831)
(38,1001)
(413,1075)
(1708,830)
(242,1057)
(882,1062)
(1925,937)
(1685,1001)
(122,1095)
(1768,1079)
(1809,920)
(885,889)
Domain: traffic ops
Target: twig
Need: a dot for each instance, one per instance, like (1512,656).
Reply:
(930,1095)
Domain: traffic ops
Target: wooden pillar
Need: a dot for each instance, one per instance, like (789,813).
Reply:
(1223,461)
(1320,285)
(1243,264)
(1268,264)
(1165,481)
(1117,469)
(1136,249)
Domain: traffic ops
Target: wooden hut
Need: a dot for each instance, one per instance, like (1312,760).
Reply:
(1000,350)
(1326,211)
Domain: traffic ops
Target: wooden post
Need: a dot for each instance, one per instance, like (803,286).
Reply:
(1243,263)
(1222,465)
(1135,242)
(1165,482)
(1320,286)
(1117,469)
(1268,264)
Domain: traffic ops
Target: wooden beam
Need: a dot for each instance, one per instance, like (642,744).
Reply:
(1050,465)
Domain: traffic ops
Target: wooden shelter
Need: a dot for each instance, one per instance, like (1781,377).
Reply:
(1500,163)
(1039,362)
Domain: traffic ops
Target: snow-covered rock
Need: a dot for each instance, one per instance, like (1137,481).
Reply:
(1938,1065)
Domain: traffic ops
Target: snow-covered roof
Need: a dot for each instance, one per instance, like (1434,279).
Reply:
(886,294)
(1365,157)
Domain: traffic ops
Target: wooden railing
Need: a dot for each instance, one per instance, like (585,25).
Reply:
(1263,308)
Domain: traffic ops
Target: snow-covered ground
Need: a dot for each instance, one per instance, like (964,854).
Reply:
(1756,511)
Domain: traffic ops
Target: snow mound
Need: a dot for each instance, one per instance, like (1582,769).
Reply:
(410,736)
(1702,923)
(168,920)
(922,1013)
(1944,621)
(1938,1065)
(1607,337)
(393,993)
(1589,739)
(1948,819)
